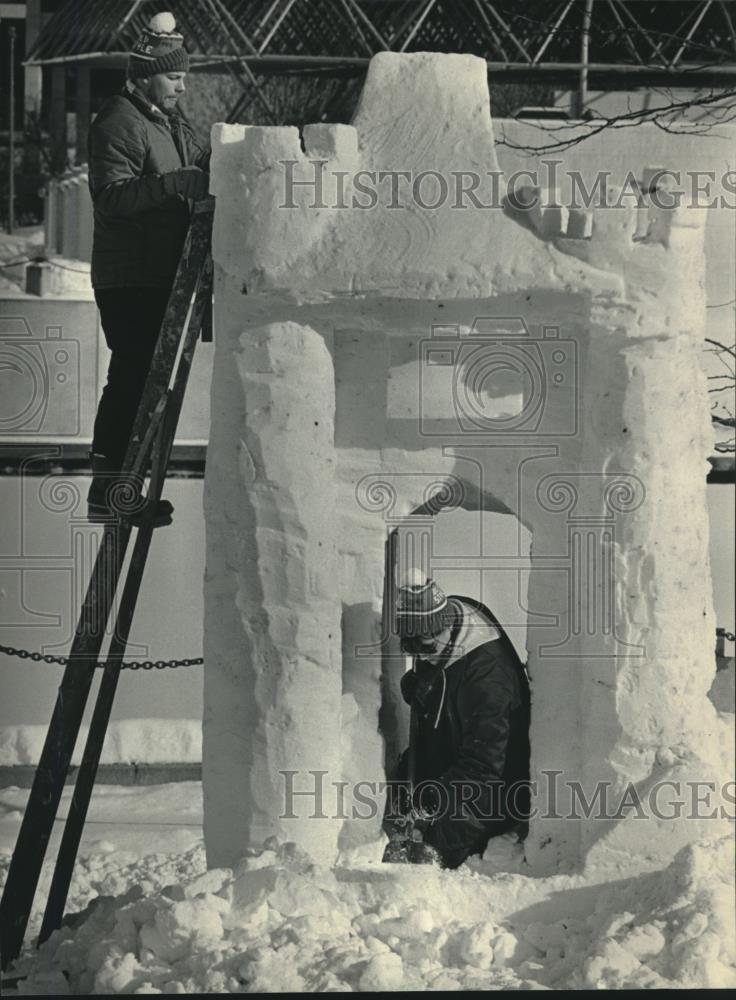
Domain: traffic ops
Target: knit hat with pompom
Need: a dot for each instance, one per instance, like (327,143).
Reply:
(422,609)
(160,49)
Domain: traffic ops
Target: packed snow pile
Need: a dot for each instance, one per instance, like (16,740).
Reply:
(278,923)
(128,741)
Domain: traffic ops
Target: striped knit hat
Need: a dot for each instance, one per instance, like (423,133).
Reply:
(160,49)
(421,607)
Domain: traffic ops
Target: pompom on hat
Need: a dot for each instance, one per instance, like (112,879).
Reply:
(422,609)
(160,49)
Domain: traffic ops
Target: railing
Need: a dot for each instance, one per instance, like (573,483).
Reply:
(68,215)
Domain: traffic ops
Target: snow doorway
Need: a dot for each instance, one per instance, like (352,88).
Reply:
(482,554)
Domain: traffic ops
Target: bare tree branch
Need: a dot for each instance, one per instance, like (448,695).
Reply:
(658,116)
(721,347)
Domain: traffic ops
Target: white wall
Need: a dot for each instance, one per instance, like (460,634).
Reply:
(722,510)
(37,606)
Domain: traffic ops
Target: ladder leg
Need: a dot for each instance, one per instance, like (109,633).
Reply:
(84,784)
(53,766)
(100,719)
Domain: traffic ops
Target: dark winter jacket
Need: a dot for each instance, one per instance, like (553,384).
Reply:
(139,229)
(471,732)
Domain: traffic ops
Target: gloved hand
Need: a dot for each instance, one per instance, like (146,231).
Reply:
(190,182)
(408,684)
(418,821)
(410,852)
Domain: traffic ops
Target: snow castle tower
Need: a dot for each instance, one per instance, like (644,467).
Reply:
(383,296)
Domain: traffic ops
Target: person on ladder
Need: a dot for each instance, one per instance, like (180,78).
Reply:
(465,776)
(146,167)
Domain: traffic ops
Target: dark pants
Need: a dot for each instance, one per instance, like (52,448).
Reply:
(131,321)
(454,837)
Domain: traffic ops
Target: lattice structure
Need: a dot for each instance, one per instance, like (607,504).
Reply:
(634,43)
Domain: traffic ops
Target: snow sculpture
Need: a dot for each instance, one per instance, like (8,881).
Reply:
(524,358)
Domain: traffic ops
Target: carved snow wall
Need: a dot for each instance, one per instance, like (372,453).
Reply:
(380,356)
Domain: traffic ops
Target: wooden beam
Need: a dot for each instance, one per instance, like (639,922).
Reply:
(33,80)
(582,95)
(626,36)
(509,33)
(355,6)
(553,32)
(655,46)
(694,27)
(729,24)
(685,74)
(417,24)
(83,110)
(57,122)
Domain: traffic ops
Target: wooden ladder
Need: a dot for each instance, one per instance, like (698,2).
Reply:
(188,313)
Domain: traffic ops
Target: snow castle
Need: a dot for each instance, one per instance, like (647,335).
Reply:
(400,331)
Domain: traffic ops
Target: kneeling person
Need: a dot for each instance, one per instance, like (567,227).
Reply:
(465,775)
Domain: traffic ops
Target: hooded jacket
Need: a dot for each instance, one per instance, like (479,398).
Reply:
(139,228)
(471,736)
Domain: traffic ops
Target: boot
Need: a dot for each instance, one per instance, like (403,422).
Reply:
(109,489)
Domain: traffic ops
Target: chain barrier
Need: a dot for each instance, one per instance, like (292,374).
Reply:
(197,661)
(25,654)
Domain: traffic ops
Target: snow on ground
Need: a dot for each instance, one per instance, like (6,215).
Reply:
(157,921)
(15,250)
(150,741)
(68,275)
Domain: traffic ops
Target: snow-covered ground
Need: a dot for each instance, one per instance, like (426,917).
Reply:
(127,741)
(15,250)
(157,921)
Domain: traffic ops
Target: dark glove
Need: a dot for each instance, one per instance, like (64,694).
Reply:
(417,685)
(426,803)
(408,684)
(190,182)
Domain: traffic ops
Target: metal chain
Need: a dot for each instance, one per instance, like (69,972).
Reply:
(25,654)
(197,661)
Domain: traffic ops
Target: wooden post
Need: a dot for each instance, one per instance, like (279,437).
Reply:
(58,118)
(582,96)
(32,87)
(11,132)
(83,111)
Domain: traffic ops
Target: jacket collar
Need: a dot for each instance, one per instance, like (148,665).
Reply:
(472,630)
(139,99)
(476,631)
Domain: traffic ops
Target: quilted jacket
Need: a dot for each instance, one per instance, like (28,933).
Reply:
(471,729)
(139,229)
